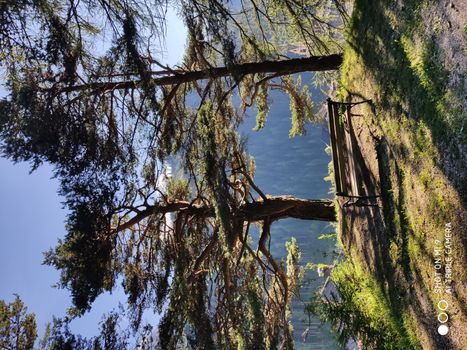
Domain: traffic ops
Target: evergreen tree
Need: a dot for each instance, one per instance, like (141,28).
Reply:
(109,123)
(58,336)
(17,327)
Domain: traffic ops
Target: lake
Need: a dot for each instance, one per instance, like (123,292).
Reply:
(296,166)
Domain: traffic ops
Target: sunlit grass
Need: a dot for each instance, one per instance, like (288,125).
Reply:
(418,113)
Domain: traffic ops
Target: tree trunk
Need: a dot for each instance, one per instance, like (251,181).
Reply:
(274,208)
(283,67)
(280,207)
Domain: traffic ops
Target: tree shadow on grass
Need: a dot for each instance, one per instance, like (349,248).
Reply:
(374,238)
(373,38)
(403,93)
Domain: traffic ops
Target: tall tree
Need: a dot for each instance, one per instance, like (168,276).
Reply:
(18,331)
(109,124)
(58,336)
(17,327)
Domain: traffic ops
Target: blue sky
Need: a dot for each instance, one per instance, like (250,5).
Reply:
(33,219)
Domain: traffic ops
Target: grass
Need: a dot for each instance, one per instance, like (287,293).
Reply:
(372,319)
(395,60)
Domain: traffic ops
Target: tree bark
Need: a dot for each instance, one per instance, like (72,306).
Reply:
(282,67)
(274,208)
(280,207)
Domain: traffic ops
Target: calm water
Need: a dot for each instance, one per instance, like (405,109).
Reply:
(296,166)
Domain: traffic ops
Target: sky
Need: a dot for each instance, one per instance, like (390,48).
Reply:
(33,220)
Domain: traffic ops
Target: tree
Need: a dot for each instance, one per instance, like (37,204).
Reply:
(110,123)
(18,330)
(17,327)
(58,336)
(354,313)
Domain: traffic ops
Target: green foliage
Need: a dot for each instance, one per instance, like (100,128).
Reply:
(58,336)
(215,138)
(301,105)
(331,235)
(295,275)
(262,106)
(111,335)
(17,327)
(360,311)
(316,267)
(294,272)
(256,317)
(84,258)
(277,24)
(178,189)
(18,331)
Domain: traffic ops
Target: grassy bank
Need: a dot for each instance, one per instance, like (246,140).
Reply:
(397,57)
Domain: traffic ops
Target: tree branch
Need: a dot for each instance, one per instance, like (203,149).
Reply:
(275,207)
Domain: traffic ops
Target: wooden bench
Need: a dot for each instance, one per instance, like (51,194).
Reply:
(339,115)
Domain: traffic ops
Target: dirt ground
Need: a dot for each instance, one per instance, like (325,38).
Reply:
(365,230)
(409,148)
